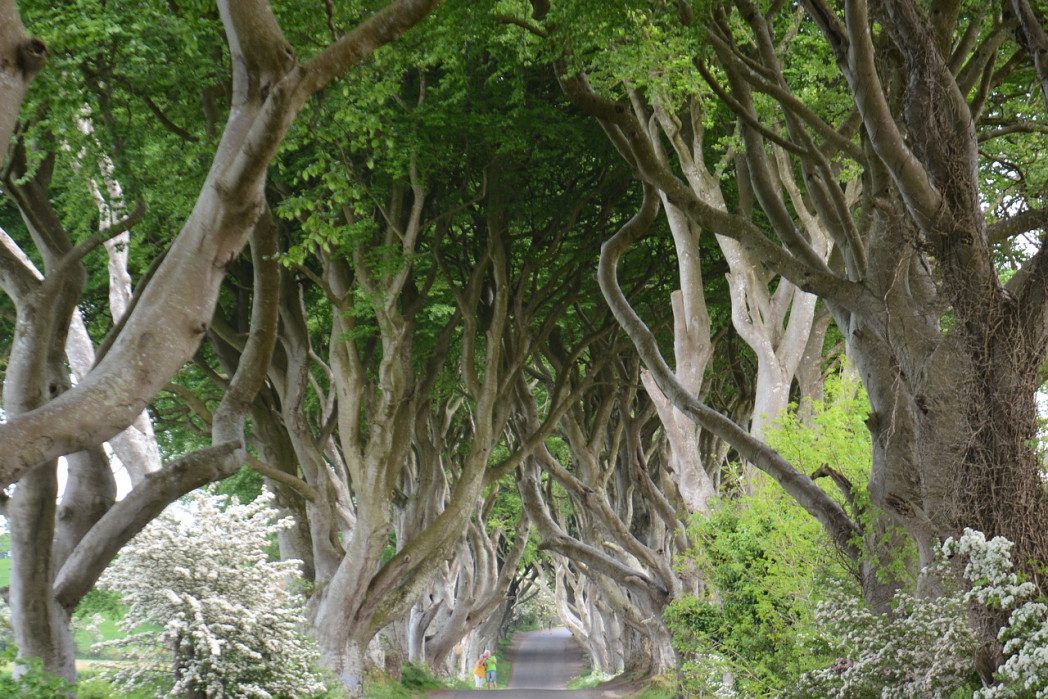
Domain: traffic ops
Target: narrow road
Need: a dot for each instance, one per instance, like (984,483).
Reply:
(543,664)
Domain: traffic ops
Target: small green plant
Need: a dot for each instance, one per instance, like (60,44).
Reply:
(767,562)
(415,680)
(385,687)
(418,677)
(33,681)
(589,680)
(91,686)
(661,687)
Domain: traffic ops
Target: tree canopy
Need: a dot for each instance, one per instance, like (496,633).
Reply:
(671,316)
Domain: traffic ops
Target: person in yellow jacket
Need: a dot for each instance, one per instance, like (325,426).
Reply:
(480,670)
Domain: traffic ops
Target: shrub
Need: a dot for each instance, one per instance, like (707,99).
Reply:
(996,585)
(766,563)
(418,677)
(32,682)
(926,648)
(225,616)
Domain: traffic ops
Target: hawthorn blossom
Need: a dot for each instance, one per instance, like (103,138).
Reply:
(926,648)
(224,619)
(1025,638)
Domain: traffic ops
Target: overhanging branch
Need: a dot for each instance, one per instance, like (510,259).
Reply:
(812,498)
(129,516)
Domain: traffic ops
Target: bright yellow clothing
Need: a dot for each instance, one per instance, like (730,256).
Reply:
(478,669)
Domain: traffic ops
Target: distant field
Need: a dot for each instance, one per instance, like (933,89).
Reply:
(94,666)
(107,631)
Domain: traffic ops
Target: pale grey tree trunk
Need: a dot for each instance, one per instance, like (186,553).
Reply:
(167,324)
(692,346)
(809,371)
(136,446)
(41,627)
(775,326)
(21,58)
(416,636)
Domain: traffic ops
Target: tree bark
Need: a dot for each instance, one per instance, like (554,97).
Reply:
(21,58)
(167,324)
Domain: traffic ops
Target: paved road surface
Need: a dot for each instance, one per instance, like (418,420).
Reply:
(543,663)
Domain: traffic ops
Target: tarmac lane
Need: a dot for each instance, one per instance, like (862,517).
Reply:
(544,659)
(543,664)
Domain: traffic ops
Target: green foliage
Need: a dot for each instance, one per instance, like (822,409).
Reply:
(418,677)
(96,619)
(588,681)
(33,682)
(506,514)
(390,550)
(245,485)
(90,686)
(767,562)
(832,432)
(110,65)
(415,681)
(91,634)
(386,688)
(829,432)
(656,693)
(99,601)
(661,687)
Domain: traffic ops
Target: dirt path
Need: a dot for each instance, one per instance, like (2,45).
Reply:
(543,663)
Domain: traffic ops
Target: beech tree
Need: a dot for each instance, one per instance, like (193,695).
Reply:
(415,334)
(923,103)
(269,88)
(421,277)
(57,559)
(613,543)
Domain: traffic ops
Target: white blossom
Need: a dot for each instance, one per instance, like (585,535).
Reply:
(1025,637)
(926,648)
(228,619)
(923,649)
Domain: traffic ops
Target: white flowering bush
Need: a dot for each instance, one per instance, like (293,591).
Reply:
(996,585)
(1025,672)
(7,636)
(926,648)
(222,619)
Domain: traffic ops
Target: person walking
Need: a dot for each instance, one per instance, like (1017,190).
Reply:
(491,665)
(480,670)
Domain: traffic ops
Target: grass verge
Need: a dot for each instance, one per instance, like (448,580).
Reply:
(589,680)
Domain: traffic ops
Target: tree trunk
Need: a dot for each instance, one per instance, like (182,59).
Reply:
(41,627)
(21,58)
(809,370)
(342,655)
